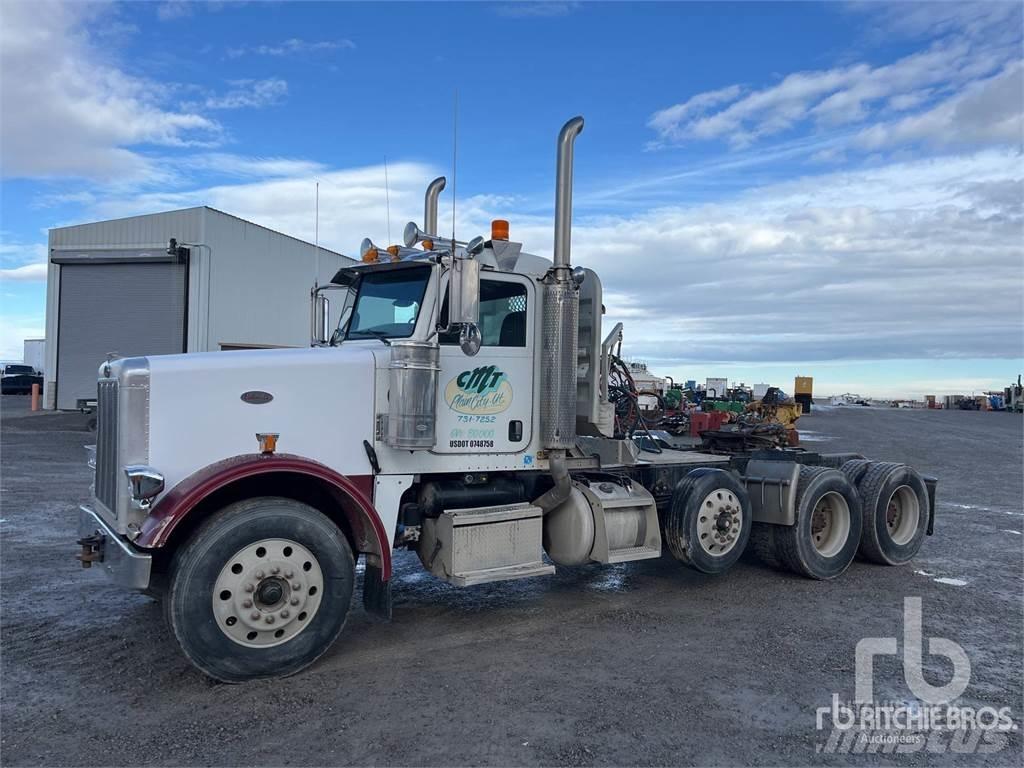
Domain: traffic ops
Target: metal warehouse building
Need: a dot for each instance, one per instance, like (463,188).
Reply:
(113,289)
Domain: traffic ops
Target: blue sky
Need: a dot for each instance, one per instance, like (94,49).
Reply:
(767,189)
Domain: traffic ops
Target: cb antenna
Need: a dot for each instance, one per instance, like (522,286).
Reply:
(316,237)
(455,145)
(387,197)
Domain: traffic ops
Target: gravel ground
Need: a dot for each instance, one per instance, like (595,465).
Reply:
(638,664)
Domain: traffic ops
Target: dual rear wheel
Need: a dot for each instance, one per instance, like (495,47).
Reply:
(877,510)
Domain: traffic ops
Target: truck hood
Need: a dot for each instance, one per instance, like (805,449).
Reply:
(206,407)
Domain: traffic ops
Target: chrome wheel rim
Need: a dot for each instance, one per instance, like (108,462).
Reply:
(267,593)
(830,524)
(902,514)
(719,522)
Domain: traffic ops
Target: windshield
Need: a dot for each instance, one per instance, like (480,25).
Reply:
(20,369)
(388,303)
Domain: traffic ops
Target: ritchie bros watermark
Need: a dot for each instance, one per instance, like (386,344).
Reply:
(932,721)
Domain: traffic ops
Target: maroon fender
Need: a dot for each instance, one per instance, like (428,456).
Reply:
(353,493)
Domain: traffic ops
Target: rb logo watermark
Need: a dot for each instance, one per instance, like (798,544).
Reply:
(932,722)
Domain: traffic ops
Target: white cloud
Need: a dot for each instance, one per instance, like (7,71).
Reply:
(169,10)
(981,54)
(29,273)
(291,47)
(988,112)
(67,110)
(985,21)
(249,94)
(243,166)
(352,201)
(14,330)
(913,260)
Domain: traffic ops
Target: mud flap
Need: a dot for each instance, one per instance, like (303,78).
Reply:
(930,482)
(376,593)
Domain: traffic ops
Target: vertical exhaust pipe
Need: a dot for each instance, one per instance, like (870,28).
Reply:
(560,324)
(563,191)
(430,205)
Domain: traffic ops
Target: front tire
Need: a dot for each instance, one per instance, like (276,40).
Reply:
(261,589)
(708,525)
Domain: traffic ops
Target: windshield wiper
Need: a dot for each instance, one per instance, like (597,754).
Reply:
(376,334)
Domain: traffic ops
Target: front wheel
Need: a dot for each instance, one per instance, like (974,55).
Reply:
(261,589)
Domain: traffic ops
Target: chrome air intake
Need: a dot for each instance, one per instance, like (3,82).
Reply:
(561,312)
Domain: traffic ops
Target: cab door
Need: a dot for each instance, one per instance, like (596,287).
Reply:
(485,402)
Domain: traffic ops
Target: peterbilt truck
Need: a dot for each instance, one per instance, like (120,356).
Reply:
(460,409)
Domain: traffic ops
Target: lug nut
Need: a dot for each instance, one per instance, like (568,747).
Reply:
(294,601)
(269,619)
(296,586)
(288,574)
(250,587)
(285,614)
(254,615)
(247,603)
(275,570)
(260,574)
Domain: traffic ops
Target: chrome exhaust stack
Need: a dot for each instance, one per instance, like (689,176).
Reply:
(563,191)
(430,205)
(561,312)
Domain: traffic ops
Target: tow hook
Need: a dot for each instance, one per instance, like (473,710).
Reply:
(92,549)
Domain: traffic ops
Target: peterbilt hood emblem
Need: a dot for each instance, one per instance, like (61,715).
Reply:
(256,397)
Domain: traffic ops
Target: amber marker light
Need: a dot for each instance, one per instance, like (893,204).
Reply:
(268,440)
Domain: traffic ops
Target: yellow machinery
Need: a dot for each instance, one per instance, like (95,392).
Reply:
(785,413)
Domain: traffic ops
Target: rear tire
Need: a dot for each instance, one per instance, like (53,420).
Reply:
(855,469)
(260,590)
(895,510)
(762,543)
(824,540)
(708,525)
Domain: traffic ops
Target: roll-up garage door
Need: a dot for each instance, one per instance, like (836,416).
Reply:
(127,309)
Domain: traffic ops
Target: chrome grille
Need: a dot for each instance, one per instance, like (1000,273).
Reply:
(106,444)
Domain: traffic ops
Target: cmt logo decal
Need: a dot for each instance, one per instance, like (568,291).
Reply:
(479,392)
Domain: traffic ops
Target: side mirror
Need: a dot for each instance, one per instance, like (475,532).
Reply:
(320,320)
(470,339)
(464,292)
(475,246)
(320,315)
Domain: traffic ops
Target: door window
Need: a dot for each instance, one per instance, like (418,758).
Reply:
(502,315)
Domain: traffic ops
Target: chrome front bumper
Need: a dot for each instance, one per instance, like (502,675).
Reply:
(127,566)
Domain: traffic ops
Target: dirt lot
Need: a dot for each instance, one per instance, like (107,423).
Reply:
(638,664)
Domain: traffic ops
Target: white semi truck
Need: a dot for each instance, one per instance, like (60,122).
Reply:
(461,409)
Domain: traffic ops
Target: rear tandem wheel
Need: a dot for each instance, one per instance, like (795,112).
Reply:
(823,541)
(895,509)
